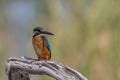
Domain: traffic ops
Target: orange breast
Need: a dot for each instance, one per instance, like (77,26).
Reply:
(40,48)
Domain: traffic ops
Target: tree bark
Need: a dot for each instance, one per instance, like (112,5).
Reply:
(20,68)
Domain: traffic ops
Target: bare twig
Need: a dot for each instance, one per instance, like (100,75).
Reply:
(20,68)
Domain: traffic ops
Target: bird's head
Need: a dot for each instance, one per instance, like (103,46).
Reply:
(40,31)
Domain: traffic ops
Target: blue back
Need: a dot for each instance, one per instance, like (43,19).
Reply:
(47,45)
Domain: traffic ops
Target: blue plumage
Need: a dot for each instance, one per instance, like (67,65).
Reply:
(47,44)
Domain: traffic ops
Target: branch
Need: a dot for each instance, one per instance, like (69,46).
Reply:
(20,68)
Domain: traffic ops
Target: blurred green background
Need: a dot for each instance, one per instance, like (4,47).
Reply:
(86,34)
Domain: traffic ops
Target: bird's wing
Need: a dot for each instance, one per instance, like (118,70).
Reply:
(48,45)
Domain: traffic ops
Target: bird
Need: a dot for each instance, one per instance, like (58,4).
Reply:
(41,44)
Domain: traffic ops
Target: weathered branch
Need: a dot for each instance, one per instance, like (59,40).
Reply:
(20,68)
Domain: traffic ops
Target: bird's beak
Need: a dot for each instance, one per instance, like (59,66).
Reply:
(48,33)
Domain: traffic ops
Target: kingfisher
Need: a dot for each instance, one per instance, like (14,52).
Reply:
(41,44)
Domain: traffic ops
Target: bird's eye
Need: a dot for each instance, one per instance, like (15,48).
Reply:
(39,30)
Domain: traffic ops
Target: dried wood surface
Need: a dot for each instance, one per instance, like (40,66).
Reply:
(20,68)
